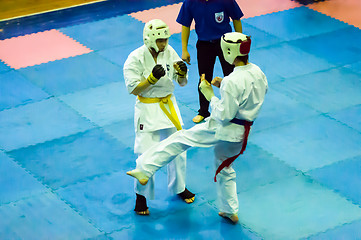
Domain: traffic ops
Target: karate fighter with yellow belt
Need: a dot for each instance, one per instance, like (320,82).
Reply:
(149,73)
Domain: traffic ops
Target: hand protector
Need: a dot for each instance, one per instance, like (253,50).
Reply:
(217,82)
(181,68)
(206,88)
(157,72)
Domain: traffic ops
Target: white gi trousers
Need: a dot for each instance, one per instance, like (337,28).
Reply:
(201,135)
(176,169)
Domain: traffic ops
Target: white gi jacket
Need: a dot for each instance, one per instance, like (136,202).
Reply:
(242,95)
(149,117)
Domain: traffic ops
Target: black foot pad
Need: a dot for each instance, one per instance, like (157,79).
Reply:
(140,204)
(186,194)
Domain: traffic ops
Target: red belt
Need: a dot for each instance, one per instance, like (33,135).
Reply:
(247,127)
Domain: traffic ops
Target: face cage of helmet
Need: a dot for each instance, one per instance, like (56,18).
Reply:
(161,43)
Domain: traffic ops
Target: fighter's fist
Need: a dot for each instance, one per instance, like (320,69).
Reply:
(181,68)
(217,82)
(157,72)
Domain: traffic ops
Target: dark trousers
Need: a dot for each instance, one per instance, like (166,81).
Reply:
(207,51)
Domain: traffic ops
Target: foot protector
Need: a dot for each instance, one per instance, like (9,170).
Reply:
(187,196)
(138,174)
(141,207)
(232,217)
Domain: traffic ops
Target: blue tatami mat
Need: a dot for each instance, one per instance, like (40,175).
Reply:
(349,116)
(290,56)
(43,217)
(326,91)
(302,205)
(73,158)
(340,47)
(38,122)
(24,186)
(296,23)
(254,168)
(4,67)
(194,223)
(356,67)
(67,135)
(257,167)
(16,90)
(73,74)
(310,143)
(103,105)
(259,37)
(106,200)
(280,109)
(118,55)
(343,176)
(107,33)
(123,131)
(347,231)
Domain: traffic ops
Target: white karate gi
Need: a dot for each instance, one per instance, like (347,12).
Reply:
(242,95)
(151,124)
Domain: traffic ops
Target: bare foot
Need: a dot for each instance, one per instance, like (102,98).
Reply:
(142,178)
(232,217)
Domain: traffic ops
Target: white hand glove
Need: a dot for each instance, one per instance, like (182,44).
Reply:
(206,88)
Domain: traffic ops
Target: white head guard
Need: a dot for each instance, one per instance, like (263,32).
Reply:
(235,44)
(153,30)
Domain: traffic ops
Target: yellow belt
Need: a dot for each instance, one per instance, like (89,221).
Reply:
(172,115)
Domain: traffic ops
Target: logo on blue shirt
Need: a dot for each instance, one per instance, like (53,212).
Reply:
(219,17)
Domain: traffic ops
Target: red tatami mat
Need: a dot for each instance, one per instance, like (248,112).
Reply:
(348,11)
(37,48)
(260,7)
(167,13)
(250,9)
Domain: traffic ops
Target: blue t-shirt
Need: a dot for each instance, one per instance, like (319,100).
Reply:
(211,17)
